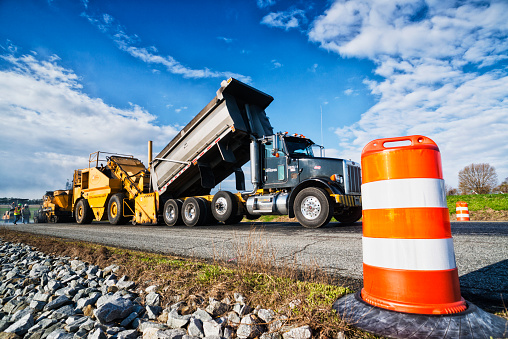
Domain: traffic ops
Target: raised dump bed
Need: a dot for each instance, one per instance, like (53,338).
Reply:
(215,144)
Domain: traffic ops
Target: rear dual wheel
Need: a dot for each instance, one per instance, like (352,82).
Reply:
(225,208)
(198,211)
(195,211)
(172,213)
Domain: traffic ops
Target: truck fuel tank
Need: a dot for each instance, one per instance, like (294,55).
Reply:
(268,204)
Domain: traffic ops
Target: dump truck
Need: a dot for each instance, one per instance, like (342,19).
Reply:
(56,207)
(231,130)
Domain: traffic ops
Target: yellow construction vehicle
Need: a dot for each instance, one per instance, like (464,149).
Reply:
(115,188)
(56,207)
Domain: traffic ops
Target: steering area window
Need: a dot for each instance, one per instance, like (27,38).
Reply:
(299,148)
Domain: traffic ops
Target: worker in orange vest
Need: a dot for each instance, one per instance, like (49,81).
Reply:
(17,213)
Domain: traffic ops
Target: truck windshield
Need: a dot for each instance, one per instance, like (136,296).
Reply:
(299,148)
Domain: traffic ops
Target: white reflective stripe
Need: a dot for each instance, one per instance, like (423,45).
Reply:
(404,193)
(463,215)
(461,209)
(409,254)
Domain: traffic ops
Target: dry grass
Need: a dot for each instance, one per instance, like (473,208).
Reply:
(488,214)
(253,272)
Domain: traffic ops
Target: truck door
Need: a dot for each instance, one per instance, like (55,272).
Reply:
(274,169)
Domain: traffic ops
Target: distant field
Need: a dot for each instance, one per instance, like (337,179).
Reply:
(479,202)
(33,208)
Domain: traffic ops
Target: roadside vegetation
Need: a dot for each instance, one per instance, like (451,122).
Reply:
(478,202)
(482,207)
(305,294)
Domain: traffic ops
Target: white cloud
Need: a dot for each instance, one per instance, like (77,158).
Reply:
(349,91)
(276,64)
(289,19)
(432,57)
(412,29)
(49,126)
(265,3)
(128,43)
(226,40)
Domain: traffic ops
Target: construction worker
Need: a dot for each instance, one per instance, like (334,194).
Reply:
(17,213)
(26,214)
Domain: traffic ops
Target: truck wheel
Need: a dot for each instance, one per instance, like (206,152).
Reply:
(194,212)
(249,216)
(235,219)
(172,212)
(115,209)
(351,216)
(84,214)
(224,206)
(312,207)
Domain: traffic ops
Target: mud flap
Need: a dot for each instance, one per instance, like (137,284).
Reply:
(207,177)
(240,179)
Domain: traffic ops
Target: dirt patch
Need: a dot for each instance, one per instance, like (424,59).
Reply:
(487,214)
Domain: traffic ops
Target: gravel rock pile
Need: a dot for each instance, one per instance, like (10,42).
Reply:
(42,296)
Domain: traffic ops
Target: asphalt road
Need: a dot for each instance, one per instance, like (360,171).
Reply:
(481,248)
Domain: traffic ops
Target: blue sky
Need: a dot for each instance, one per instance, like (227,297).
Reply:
(80,76)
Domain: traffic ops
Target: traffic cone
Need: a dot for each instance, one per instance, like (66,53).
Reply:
(408,256)
(462,211)
(411,285)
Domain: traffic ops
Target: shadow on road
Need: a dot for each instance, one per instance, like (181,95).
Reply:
(487,287)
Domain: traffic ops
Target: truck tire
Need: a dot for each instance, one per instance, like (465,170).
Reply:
(351,216)
(83,214)
(236,219)
(249,216)
(312,207)
(172,213)
(115,210)
(194,212)
(224,207)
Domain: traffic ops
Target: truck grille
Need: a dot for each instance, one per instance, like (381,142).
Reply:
(353,179)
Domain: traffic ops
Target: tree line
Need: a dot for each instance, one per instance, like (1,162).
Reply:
(478,179)
(8,201)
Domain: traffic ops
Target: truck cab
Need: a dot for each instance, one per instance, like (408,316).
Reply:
(294,181)
(289,160)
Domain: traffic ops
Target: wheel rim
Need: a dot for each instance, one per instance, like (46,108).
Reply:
(80,212)
(114,209)
(190,212)
(221,206)
(170,213)
(311,208)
